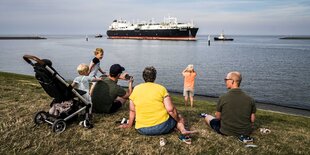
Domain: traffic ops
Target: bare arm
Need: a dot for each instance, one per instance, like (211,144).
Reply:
(91,66)
(252,118)
(96,79)
(170,108)
(102,72)
(183,72)
(73,84)
(91,89)
(129,91)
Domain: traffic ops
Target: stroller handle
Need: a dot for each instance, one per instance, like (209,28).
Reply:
(30,58)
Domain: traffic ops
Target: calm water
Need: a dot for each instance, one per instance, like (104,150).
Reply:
(274,71)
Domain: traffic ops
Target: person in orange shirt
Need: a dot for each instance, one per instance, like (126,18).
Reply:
(189,75)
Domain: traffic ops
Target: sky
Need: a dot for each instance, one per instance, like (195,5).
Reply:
(234,17)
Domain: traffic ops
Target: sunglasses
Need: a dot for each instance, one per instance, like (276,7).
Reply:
(227,79)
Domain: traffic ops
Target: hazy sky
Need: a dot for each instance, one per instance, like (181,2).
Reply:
(246,17)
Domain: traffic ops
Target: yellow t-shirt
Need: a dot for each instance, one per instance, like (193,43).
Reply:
(148,100)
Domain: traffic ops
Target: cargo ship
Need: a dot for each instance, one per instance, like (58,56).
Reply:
(169,29)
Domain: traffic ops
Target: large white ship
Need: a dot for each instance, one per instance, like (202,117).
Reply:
(169,29)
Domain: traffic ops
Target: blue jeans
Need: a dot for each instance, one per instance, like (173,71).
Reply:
(159,129)
(215,124)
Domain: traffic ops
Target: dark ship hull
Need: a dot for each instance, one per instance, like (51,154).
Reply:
(155,34)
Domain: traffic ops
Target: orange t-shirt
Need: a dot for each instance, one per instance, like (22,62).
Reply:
(189,79)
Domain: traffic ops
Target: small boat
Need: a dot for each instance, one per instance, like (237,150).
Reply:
(222,38)
(98,36)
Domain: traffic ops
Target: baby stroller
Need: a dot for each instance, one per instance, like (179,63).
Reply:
(61,92)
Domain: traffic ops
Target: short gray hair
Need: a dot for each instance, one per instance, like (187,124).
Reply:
(149,74)
(236,76)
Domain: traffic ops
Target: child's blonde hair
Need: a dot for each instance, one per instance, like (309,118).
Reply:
(82,69)
(98,51)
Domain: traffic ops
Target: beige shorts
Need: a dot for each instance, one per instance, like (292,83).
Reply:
(188,92)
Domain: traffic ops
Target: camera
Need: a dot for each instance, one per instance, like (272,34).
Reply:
(127,77)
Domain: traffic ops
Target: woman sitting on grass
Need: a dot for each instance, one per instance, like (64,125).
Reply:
(152,109)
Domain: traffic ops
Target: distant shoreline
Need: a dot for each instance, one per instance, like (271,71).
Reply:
(20,37)
(297,37)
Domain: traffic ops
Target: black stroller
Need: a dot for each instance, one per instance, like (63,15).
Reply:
(61,91)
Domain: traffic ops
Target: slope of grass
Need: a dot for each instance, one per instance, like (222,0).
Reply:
(22,96)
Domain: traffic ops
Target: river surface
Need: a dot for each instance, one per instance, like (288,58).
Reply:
(274,71)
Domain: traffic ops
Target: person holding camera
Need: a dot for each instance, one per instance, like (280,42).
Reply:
(107,96)
(189,75)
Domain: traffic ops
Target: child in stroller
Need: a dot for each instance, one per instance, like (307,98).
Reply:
(70,102)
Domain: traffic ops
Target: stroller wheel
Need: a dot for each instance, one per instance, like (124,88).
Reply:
(59,126)
(40,117)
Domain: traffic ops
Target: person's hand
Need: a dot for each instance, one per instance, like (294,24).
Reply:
(122,76)
(131,79)
(124,126)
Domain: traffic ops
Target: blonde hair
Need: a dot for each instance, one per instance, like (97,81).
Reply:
(98,51)
(82,69)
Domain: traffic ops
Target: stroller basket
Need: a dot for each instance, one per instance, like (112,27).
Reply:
(62,92)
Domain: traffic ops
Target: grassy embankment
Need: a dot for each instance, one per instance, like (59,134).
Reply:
(22,96)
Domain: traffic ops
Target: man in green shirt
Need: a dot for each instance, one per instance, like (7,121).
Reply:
(107,96)
(235,110)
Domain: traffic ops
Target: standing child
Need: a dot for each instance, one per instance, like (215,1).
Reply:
(94,65)
(82,82)
(189,75)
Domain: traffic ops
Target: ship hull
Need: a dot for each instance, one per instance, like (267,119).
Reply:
(162,34)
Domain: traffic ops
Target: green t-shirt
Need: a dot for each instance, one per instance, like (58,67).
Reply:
(236,108)
(104,94)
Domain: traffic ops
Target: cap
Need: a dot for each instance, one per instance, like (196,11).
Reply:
(116,69)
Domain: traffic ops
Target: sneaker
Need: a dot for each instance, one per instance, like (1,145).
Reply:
(245,139)
(87,124)
(123,121)
(162,142)
(203,114)
(186,139)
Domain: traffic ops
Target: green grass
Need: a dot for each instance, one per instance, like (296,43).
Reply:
(22,96)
